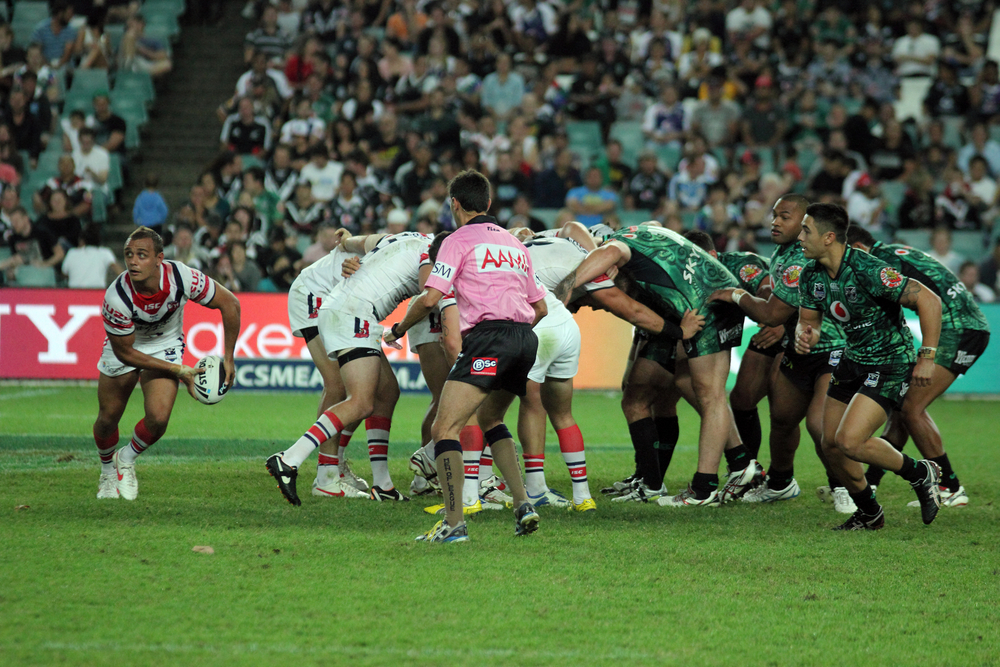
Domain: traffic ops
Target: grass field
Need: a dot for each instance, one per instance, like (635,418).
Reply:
(88,582)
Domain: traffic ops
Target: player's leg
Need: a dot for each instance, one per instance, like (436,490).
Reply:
(645,379)
(531,433)
(490,416)
(159,391)
(750,388)
(665,421)
(789,405)
(459,401)
(557,397)
(868,513)
(434,367)
(378,426)
(112,398)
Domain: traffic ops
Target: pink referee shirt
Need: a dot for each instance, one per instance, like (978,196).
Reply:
(491,272)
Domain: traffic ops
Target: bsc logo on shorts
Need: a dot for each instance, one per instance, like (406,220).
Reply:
(484,366)
(361,328)
(872,380)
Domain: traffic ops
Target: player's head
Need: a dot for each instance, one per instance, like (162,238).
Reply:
(824,225)
(786,218)
(701,239)
(859,237)
(470,193)
(432,252)
(143,254)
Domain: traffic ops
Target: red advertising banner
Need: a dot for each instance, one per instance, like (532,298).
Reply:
(58,334)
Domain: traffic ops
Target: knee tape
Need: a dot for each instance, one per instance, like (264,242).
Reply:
(497,433)
(442,446)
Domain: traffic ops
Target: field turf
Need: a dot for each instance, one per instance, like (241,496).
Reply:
(88,582)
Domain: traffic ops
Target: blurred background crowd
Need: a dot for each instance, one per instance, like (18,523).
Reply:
(355,114)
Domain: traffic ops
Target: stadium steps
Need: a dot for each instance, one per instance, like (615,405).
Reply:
(182,136)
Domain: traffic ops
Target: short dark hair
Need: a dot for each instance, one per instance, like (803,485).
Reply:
(87,131)
(432,252)
(830,218)
(146,233)
(471,190)
(91,235)
(700,239)
(152,179)
(800,201)
(256,172)
(858,234)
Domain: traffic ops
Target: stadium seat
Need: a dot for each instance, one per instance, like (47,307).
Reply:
(546,215)
(115,178)
(629,133)
(174,7)
(48,164)
(132,139)
(688,218)
(22,32)
(806,159)
(130,108)
(893,193)
(161,23)
(78,100)
(114,33)
(915,238)
(669,157)
(89,82)
(630,218)
(969,244)
(99,206)
(137,83)
(584,136)
(266,285)
(4,253)
(953,126)
(35,276)
(31,11)
(302,241)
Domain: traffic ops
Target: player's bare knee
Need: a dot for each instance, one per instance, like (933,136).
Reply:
(848,444)
(156,424)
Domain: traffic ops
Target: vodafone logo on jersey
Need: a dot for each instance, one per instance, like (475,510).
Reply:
(839,312)
(493,257)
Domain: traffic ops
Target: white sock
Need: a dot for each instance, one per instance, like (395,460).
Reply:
(534,474)
(318,433)
(486,464)
(378,450)
(470,490)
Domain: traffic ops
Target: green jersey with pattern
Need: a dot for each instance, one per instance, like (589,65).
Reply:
(678,274)
(864,298)
(958,310)
(750,269)
(787,263)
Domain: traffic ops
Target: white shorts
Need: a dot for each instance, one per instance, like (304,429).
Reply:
(111,366)
(427,330)
(303,310)
(558,352)
(343,331)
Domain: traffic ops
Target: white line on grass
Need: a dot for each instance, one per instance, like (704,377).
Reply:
(28,393)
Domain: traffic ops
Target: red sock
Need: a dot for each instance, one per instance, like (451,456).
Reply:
(571,446)
(142,439)
(106,446)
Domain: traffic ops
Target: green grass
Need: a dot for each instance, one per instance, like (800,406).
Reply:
(87,582)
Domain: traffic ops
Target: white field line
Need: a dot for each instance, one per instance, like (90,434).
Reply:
(27,393)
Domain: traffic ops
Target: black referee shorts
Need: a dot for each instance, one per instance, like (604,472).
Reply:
(497,355)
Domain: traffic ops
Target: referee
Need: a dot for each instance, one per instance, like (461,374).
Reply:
(499,301)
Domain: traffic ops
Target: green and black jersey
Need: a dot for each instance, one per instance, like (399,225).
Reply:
(787,263)
(749,269)
(958,309)
(864,298)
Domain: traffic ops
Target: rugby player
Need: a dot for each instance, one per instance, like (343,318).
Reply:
(864,294)
(965,333)
(798,391)
(499,301)
(349,328)
(334,476)
(673,276)
(143,314)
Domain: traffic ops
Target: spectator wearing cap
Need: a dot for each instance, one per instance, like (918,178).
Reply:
(916,52)
(591,201)
(648,187)
(109,128)
(244,132)
(55,34)
(322,173)
(716,119)
(865,206)
(503,89)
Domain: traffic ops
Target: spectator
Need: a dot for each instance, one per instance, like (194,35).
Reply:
(763,123)
(663,123)
(947,97)
(552,185)
(265,204)
(92,161)
(302,212)
(305,123)
(38,105)
(968,273)
(715,119)
(865,206)
(700,63)
(894,156)
(591,201)
(279,175)
(750,21)
(616,173)
(150,207)
(349,210)
(183,249)
(66,180)
(648,187)
(25,128)
(322,173)
(397,221)
(267,38)
(980,143)
(265,78)
(989,269)
(34,61)
(941,249)
(521,216)
(60,221)
(916,52)
(414,177)
(503,89)
(93,48)
(533,24)
(55,34)
(592,94)
(71,127)
(244,132)
(246,273)
(985,94)
(689,187)
(983,192)
(109,128)
(138,53)
(30,245)
(439,126)
(326,240)
(86,266)
(509,183)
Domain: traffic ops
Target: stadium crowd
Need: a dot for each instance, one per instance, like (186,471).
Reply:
(356,114)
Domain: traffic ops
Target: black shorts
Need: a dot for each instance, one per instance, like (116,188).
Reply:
(886,384)
(958,349)
(497,355)
(803,369)
(659,349)
(772,351)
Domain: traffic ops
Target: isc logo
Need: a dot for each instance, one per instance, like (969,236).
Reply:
(484,366)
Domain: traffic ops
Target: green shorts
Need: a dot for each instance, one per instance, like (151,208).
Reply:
(723,331)
(958,349)
(885,384)
(660,349)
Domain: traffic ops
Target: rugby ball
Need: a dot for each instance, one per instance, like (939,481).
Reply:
(210,387)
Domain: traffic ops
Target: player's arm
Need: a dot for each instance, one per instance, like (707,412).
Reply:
(451,334)
(575,231)
(917,297)
(772,311)
(626,308)
(228,305)
(123,347)
(420,307)
(361,245)
(608,257)
(541,310)
(807,330)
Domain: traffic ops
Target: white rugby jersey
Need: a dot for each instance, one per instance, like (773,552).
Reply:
(323,275)
(554,258)
(157,318)
(389,275)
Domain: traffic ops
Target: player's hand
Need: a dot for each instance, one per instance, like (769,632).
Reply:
(692,323)
(803,341)
(342,235)
(350,266)
(230,367)
(768,336)
(186,374)
(724,295)
(390,339)
(923,372)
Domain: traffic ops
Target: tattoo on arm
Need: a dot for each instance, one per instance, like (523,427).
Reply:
(910,293)
(565,286)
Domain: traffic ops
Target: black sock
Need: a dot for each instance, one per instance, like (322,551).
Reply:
(703,484)
(737,458)
(779,479)
(643,434)
(911,471)
(865,500)
(668,431)
(874,475)
(830,479)
(748,424)
(948,476)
